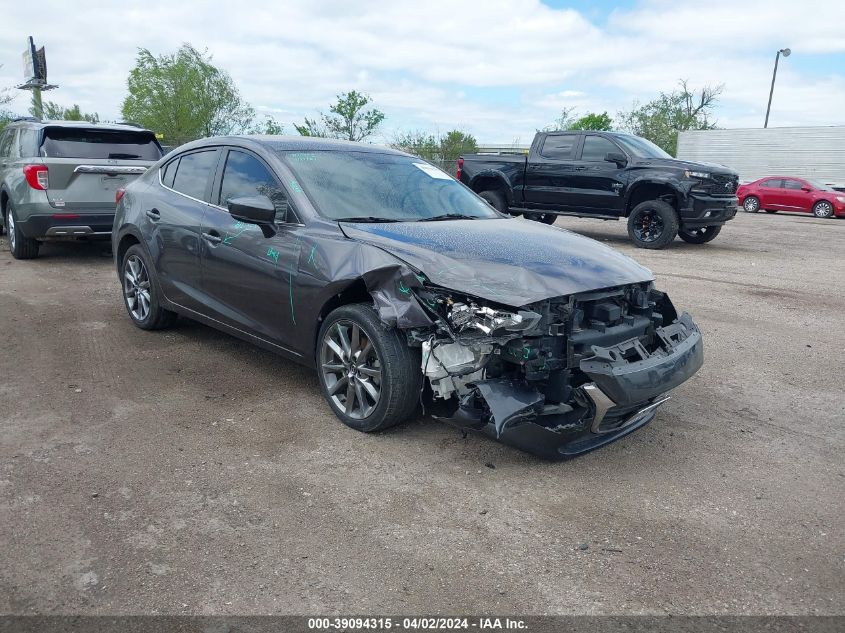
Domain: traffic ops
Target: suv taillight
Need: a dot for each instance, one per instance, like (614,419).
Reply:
(118,195)
(37,176)
(460,169)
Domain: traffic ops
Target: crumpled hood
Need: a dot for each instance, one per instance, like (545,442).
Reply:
(509,261)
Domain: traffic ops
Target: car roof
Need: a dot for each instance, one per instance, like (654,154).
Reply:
(38,124)
(293,143)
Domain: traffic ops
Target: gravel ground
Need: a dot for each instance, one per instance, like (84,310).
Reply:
(184,472)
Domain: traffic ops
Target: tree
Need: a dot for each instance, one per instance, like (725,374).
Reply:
(6,97)
(592,121)
(418,143)
(184,96)
(270,126)
(563,122)
(455,143)
(349,120)
(660,120)
(55,112)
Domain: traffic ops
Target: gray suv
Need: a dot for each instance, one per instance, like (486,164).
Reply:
(59,180)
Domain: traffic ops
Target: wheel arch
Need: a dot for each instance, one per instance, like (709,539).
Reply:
(355,291)
(645,190)
(492,181)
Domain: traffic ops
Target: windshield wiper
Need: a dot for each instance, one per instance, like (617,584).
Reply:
(120,155)
(366,218)
(449,216)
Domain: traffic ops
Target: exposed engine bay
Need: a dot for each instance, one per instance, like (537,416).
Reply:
(594,364)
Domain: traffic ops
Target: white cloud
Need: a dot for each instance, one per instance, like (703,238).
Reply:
(441,63)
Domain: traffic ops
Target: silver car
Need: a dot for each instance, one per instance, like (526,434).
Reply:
(59,179)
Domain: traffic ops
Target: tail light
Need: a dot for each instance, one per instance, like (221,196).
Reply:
(37,176)
(460,169)
(118,195)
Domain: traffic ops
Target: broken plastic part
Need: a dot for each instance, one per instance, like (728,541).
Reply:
(510,401)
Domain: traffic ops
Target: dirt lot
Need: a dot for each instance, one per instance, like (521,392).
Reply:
(186,472)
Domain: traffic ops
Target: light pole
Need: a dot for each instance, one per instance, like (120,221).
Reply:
(786,52)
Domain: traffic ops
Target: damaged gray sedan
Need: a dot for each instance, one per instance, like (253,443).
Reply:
(402,288)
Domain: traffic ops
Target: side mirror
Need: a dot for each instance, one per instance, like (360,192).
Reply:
(252,209)
(807,189)
(616,157)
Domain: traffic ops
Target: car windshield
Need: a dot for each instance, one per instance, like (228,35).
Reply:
(371,186)
(640,147)
(815,184)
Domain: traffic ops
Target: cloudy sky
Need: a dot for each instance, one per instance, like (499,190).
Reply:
(500,71)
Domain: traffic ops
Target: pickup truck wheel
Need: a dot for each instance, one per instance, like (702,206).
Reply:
(545,218)
(20,246)
(368,373)
(699,236)
(652,224)
(495,199)
(751,205)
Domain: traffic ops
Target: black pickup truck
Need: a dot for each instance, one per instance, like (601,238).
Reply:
(607,175)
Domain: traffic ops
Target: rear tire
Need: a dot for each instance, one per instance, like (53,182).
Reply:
(653,224)
(374,359)
(495,199)
(823,209)
(751,204)
(699,236)
(545,218)
(141,292)
(20,246)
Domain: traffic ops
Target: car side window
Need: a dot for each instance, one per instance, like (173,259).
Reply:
(772,183)
(560,146)
(596,147)
(27,143)
(193,173)
(791,184)
(244,175)
(168,172)
(6,143)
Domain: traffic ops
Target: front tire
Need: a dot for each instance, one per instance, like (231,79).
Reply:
(823,209)
(699,236)
(751,204)
(653,224)
(141,293)
(368,373)
(20,246)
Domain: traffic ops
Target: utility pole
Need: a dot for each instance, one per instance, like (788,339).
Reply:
(786,52)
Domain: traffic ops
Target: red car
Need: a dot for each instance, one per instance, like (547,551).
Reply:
(777,193)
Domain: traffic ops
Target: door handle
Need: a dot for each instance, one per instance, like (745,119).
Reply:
(153,214)
(213,237)
(581,168)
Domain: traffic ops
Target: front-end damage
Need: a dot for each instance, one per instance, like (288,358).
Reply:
(560,376)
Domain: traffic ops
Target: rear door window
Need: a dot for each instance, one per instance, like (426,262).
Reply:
(560,146)
(245,175)
(194,173)
(168,172)
(28,143)
(73,142)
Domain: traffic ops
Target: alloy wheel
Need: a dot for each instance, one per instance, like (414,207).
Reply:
(824,209)
(136,288)
(648,226)
(351,369)
(750,205)
(10,228)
